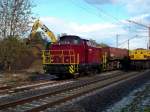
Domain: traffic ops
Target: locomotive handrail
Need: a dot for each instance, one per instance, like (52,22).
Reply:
(48,56)
(49,51)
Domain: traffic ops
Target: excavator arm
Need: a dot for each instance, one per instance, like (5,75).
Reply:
(39,24)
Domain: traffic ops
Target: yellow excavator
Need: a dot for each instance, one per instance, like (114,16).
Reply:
(38,24)
(37,47)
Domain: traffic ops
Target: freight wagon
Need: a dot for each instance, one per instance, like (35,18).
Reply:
(115,57)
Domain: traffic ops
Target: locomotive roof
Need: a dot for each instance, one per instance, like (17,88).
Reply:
(70,36)
(73,37)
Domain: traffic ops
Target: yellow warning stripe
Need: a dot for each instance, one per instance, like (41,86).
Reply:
(71,69)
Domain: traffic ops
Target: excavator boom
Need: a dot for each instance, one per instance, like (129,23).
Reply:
(39,24)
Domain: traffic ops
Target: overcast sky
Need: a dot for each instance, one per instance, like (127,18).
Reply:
(100,20)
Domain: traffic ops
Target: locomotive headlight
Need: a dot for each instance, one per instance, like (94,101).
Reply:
(67,59)
(112,55)
(52,60)
(90,50)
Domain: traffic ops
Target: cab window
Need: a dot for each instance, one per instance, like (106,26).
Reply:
(69,40)
(90,43)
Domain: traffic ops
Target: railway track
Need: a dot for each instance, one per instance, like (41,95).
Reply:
(5,87)
(14,95)
(8,90)
(63,94)
(24,86)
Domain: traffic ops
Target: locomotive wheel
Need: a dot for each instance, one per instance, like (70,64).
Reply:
(76,75)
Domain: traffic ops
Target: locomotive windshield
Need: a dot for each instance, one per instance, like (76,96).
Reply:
(91,43)
(70,40)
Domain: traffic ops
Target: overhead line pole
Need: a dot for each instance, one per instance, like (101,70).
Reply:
(145,27)
(128,41)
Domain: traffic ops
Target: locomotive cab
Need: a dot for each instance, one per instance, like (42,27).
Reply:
(70,56)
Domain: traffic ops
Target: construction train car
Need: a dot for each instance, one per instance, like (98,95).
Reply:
(140,59)
(115,57)
(72,56)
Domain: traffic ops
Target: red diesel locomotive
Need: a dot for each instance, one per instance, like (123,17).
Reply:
(72,55)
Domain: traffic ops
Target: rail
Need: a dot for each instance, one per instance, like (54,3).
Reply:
(64,88)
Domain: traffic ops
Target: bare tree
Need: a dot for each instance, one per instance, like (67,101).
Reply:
(15,17)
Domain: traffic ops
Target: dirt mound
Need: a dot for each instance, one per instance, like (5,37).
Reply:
(36,66)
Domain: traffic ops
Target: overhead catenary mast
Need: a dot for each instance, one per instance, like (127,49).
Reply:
(143,26)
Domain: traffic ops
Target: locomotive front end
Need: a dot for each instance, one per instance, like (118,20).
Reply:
(61,59)
(60,62)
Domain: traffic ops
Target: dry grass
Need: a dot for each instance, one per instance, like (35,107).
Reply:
(14,79)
